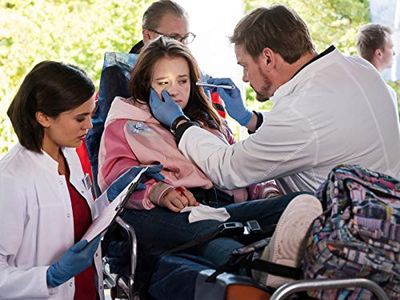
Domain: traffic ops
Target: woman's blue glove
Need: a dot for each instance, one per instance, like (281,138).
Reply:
(126,178)
(233,101)
(75,260)
(166,111)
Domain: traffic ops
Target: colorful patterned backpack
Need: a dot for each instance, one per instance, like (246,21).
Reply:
(358,235)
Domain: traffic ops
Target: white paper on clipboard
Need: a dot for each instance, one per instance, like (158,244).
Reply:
(107,216)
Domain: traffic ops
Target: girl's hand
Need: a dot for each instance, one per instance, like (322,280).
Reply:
(178,198)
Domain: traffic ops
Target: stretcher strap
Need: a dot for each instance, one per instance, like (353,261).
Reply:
(243,258)
(275,269)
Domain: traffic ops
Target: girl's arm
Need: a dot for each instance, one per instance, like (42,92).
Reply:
(115,157)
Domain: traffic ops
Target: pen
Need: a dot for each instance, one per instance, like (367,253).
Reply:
(227,87)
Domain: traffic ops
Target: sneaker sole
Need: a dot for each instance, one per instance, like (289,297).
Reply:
(286,246)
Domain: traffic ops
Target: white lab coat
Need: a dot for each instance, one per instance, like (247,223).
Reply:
(36,223)
(335,110)
(394,98)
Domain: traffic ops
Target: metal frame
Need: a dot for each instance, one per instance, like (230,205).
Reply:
(125,283)
(288,289)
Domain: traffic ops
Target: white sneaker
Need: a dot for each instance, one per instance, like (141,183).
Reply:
(286,246)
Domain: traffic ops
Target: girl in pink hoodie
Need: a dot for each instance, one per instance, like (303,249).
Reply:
(132,137)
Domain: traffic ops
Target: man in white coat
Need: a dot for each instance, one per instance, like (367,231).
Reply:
(328,110)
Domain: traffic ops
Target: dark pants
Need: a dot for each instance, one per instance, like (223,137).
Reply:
(162,229)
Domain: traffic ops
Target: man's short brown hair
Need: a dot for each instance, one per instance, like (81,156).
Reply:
(371,37)
(278,28)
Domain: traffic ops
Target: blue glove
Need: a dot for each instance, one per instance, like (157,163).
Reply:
(233,101)
(75,260)
(123,180)
(166,111)
(207,90)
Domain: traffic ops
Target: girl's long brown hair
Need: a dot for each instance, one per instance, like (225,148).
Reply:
(199,107)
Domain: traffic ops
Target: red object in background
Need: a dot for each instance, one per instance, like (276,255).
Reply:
(84,158)
(83,153)
(218,104)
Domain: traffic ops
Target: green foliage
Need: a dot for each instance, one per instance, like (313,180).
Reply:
(73,31)
(254,104)
(396,86)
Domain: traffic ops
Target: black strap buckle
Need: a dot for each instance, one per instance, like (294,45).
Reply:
(230,229)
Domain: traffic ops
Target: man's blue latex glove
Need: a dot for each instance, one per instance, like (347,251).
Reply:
(75,260)
(207,90)
(166,111)
(123,180)
(233,101)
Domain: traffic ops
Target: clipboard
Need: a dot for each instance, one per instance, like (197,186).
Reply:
(110,212)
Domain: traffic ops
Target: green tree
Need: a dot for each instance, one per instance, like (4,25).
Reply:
(73,31)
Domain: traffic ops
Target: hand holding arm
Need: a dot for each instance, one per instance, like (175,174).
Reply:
(233,101)
(75,260)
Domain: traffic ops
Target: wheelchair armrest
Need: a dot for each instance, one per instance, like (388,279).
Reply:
(132,242)
(124,283)
(324,284)
(128,286)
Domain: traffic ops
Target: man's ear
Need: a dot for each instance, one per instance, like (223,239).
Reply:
(268,58)
(146,36)
(43,119)
(378,53)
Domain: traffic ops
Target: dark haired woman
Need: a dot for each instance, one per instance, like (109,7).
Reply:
(46,203)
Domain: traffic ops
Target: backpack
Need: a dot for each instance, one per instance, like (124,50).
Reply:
(358,235)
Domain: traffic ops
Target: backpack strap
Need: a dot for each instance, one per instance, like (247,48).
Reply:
(275,269)
(243,258)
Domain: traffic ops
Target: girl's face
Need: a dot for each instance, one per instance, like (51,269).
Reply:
(172,74)
(69,128)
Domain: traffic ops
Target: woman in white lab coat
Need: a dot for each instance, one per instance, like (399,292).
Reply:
(46,203)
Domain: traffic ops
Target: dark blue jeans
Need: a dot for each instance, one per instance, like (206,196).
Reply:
(162,229)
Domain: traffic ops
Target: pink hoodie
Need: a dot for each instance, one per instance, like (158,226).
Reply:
(133,137)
